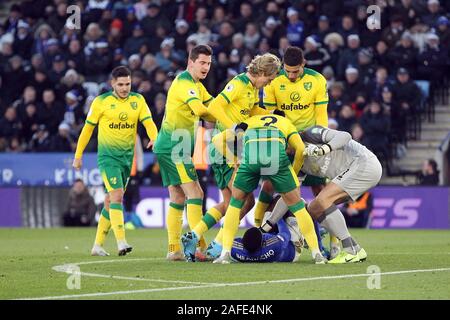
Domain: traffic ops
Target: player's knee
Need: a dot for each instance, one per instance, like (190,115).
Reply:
(316,189)
(250,201)
(267,187)
(177,198)
(318,206)
(107,202)
(116,196)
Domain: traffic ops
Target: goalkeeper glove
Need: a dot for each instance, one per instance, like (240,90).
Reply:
(279,112)
(313,150)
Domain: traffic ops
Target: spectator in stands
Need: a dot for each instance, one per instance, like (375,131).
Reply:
(349,56)
(323,28)
(316,56)
(40,140)
(352,85)
(30,122)
(245,17)
(375,88)
(50,111)
(357,213)
(432,62)
(346,118)
(23,41)
(392,34)
(376,127)
(357,132)
(10,125)
(75,56)
(63,141)
(180,36)
(40,83)
(17,78)
(80,209)
(347,28)
(252,35)
(365,66)
(335,102)
(382,55)
(406,94)
(58,70)
(99,62)
(434,11)
(429,176)
(404,55)
(295,28)
(443,32)
(334,42)
(153,19)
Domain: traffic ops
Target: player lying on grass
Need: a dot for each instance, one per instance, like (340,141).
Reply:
(352,169)
(264,156)
(283,244)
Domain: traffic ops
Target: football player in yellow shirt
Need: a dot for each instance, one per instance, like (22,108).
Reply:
(302,94)
(238,101)
(117,114)
(264,156)
(186,103)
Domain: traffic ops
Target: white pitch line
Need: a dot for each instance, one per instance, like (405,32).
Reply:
(67,268)
(346,276)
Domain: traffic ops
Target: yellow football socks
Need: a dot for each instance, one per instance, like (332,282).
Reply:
(231,223)
(174,226)
(117,221)
(102,228)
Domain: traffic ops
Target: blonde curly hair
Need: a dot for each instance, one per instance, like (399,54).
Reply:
(265,65)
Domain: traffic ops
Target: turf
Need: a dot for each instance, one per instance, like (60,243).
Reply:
(28,255)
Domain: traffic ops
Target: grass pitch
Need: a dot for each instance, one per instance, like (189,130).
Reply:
(412,264)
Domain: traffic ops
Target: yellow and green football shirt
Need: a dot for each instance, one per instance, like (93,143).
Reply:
(117,124)
(282,124)
(299,100)
(178,115)
(241,96)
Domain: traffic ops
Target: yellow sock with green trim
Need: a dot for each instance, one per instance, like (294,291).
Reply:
(116,218)
(195,215)
(231,223)
(306,225)
(263,202)
(194,212)
(219,237)
(102,228)
(211,217)
(174,226)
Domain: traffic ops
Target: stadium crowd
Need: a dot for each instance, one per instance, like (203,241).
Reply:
(50,71)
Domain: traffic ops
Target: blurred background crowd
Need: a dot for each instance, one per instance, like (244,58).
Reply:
(378,79)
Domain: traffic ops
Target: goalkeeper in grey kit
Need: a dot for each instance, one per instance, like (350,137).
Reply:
(352,169)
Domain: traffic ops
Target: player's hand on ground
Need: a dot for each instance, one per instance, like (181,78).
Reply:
(77,163)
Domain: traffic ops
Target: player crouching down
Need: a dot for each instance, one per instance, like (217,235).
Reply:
(352,169)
